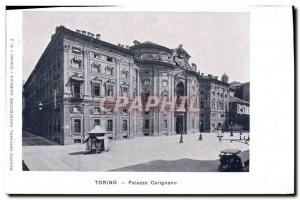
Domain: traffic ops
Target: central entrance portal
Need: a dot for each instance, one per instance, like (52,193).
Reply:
(179,124)
(180,116)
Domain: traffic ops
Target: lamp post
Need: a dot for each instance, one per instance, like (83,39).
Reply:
(200,136)
(181,138)
(231,133)
(219,134)
(40,116)
(184,120)
(240,134)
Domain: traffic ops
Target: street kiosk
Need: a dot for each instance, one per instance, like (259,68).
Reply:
(97,141)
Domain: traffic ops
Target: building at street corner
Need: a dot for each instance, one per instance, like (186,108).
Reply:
(78,69)
(214,102)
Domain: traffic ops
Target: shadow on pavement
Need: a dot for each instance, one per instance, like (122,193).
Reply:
(181,165)
(29,139)
(78,153)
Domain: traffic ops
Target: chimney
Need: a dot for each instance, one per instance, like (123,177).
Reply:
(78,31)
(135,42)
(89,34)
(93,35)
(98,36)
(209,75)
(83,32)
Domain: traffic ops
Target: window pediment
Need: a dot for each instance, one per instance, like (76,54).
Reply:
(96,79)
(77,77)
(110,82)
(75,109)
(76,59)
(124,84)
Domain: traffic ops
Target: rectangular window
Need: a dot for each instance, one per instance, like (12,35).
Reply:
(193,124)
(96,122)
(124,74)
(96,110)
(110,125)
(76,89)
(96,89)
(109,71)
(165,124)
(96,68)
(201,104)
(146,96)
(147,124)
(125,91)
(109,90)
(76,62)
(77,125)
(109,59)
(125,127)
(76,50)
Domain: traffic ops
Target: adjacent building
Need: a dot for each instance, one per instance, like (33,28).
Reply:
(214,102)
(239,114)
(240,90)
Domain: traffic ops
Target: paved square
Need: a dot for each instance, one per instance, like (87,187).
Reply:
(128,152)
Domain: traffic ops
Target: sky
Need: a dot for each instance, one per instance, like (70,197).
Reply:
(217,42)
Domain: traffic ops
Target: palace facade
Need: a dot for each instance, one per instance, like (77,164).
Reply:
(78,69)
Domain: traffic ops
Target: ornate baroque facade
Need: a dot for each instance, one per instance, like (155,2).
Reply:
(77,69)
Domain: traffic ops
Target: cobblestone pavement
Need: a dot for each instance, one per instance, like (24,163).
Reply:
(129,152)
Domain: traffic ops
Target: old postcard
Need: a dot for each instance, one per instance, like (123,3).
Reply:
(117,101)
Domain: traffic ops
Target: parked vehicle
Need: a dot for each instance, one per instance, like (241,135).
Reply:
(230,161)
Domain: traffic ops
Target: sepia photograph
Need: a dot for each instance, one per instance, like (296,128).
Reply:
(136,91)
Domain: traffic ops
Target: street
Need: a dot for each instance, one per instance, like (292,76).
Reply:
(161,153)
